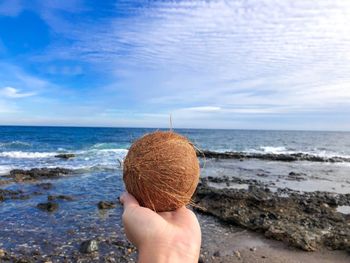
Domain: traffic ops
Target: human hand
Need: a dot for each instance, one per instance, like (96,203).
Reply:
(161,237)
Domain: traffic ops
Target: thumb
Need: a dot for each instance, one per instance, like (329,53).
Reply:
(128,200)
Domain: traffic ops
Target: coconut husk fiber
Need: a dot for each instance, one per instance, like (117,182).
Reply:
(161,170)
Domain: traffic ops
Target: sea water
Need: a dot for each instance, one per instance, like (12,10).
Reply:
(98,175)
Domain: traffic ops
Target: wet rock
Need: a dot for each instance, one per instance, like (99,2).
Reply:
(60,197)
(270,156)
(12,194)
(292,176)
(19,175)
(106,205)
(49,206)
(217,253)
(303,220)
(65,156)
(45,186)
(89,246)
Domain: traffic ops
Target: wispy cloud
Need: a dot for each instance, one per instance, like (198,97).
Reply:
(294,47)
(207,62)
(13,93)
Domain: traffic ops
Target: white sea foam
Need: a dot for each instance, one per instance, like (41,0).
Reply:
(26,155)
(284,150)
(5,169)
(115,151)
(271,149)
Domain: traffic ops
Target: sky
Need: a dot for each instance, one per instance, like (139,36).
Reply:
(234,64)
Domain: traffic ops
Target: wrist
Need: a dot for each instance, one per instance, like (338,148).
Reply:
(157,253)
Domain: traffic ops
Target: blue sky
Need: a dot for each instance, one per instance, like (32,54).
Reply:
(211,64)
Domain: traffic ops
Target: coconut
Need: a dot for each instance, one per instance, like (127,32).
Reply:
(161,170)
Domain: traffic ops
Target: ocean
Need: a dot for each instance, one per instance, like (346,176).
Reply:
(98,175)
(102,149)
(99,148)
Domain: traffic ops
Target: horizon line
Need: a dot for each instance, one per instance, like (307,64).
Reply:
(164,128)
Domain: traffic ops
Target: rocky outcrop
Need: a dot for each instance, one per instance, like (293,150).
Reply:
(89,246)
(106,205)
(35,174)
(270,156)
(303,220)
(12,194)
(65,155)
(49,206)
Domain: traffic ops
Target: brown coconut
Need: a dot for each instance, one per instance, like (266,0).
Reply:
(161,170)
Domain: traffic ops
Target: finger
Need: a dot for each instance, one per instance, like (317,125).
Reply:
(128,200)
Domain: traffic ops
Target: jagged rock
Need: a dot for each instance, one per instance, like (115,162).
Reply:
(19,175)
(89,246)
(270,156)
(106,205)
(304,220)
(49,206)
(12,194)
(65,155)
(292,176)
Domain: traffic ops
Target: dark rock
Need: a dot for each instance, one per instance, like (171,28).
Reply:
(45,186)
(304,220)
(60,197)
(217,253)
(12,194)
(292,176)
(35,174)
(65,155)
(106,205)
(89,246)
(49,206)
(270,156)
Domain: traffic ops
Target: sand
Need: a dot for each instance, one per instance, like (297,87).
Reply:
(227,243)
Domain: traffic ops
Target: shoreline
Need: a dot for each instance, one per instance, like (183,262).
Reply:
(226,236)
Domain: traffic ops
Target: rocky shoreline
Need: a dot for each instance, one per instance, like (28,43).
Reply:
(308,221)
(292,157)
(304,220)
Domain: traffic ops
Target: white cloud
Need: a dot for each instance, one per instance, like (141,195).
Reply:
(203,109)
(270,51)
(12,93)
(209,61)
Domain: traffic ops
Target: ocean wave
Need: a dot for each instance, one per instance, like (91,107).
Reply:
(120,153)
(104,146)
(322,153)
(5,169)
(26,155)
(271,149)
(102,152)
